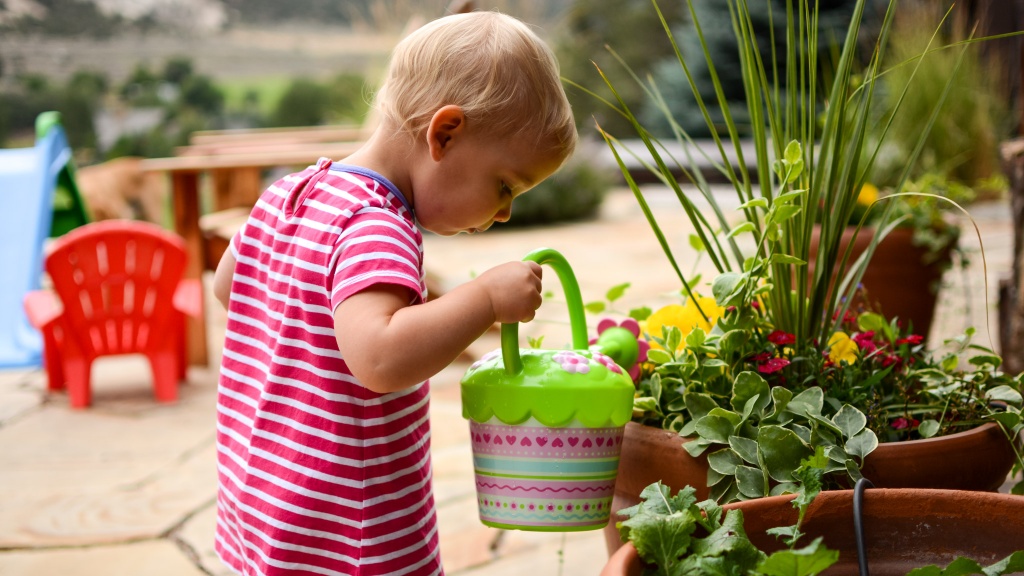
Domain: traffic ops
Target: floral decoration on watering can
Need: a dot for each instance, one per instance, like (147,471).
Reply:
(546,425)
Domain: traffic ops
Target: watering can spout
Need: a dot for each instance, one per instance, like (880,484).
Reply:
(619,344)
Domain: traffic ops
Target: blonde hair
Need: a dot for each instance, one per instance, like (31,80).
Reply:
(493,66)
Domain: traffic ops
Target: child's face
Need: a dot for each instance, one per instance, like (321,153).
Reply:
(473,184)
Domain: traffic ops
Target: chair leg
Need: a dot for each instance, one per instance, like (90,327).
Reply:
(166,370)
(77,376)
(52,363)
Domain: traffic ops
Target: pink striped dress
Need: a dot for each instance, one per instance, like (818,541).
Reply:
(317,474)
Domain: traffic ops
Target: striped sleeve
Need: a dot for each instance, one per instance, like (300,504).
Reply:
(377,247)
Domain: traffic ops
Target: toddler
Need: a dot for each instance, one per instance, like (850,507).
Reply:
(323,438)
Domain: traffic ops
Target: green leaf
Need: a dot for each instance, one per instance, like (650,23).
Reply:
(699,405)
(1009,565)
(726,285)
(750,482)
(744,227)
(850,420)
(745,448)
(986,359)
(788,197)
(928,428)
(696,243)
(696,447)
(755,203)
(1004,393)
(793,152)
(724,461)
(748,385)
(870,321)
(862,444)
(811,559)
(658,356)
(1008,420)
(960,567)
(783,212)
(616,292)
(787,259)
(781,397)
(696,338)
(640,314)
(807,403)
(782,450)
(729,542)
(595,307)
(715,428)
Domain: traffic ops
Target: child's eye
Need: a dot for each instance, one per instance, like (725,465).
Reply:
(505,189)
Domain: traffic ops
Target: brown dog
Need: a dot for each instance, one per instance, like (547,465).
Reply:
(119,188)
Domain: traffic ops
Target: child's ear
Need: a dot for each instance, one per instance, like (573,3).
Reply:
(446,126)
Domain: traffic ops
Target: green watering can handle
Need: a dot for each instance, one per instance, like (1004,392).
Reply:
(510,332)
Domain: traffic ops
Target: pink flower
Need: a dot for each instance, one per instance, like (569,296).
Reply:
(634,328)
(772,365)
(780,338)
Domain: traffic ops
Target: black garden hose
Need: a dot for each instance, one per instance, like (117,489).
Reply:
(858,523)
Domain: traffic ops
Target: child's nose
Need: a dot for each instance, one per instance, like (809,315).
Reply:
(503,215)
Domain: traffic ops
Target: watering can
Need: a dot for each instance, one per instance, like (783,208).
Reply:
(546,426)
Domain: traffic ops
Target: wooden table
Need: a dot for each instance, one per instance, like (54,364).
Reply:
(238,178)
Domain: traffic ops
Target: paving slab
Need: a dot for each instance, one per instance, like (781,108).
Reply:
(155,558)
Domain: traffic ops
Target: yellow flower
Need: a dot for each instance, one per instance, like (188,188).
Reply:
(841,347)
(867,195)
(685,317)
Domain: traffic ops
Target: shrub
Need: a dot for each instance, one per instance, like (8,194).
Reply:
(573,193)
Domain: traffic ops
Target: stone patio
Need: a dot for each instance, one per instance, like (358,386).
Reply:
(127,487)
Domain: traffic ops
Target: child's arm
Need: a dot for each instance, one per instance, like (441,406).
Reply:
(390,345)
(222,277)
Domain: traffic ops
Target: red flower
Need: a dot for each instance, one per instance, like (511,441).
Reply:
(780,338)
(761,358)
(912,339)
(890,359)
(755,305)
(902,423)
(772,365)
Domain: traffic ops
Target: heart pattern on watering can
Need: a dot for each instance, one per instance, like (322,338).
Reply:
(542,441)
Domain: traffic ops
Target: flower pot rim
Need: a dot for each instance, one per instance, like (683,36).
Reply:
(985,428)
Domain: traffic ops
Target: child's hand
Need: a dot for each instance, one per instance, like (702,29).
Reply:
(514,290)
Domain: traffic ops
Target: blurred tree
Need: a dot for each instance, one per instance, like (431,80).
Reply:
(629,27)
(200,93)
(767,19)
(177,70)
(305,103)
(346,98)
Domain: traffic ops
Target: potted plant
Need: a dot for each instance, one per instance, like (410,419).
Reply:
(784,362)
(890,531)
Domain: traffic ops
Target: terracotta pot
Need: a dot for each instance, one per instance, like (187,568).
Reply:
(977,459)
(903,528)
(897,281)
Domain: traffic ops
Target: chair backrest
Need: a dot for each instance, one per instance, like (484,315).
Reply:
(116,280)
(28,178)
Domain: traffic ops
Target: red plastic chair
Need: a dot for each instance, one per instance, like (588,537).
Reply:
(118,289)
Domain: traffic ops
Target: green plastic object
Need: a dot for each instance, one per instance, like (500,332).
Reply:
(555,387)
(68,206)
